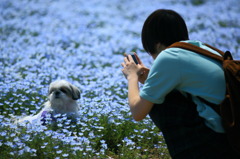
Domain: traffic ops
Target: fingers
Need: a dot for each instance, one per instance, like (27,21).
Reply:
(130,59)
(126,60)
(139,60)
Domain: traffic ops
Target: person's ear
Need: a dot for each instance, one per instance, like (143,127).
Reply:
(160,47)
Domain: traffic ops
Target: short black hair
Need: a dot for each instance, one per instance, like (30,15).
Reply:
(165,27)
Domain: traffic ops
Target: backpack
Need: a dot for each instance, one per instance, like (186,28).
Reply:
(229,109)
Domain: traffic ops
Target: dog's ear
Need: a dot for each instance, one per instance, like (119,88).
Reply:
(75,92)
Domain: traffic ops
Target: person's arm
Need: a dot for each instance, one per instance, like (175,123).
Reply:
(139,107)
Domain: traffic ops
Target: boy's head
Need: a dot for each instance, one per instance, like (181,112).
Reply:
(164,27)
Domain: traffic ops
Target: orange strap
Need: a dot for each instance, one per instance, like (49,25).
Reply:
(199,50)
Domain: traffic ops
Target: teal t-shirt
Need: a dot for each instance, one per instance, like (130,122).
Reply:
(188,72)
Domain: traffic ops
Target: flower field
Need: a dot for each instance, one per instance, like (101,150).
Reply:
(83,42)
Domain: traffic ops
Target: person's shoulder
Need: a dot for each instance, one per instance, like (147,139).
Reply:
(172,53)
(182,53)
(169,54)
(178,56)
(168,57)
(193,54)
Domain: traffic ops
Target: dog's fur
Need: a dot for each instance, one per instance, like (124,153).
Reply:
(62,99)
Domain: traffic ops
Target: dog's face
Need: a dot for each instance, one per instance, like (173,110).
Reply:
(62,91)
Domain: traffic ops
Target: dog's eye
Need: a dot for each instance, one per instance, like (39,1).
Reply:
(63,90)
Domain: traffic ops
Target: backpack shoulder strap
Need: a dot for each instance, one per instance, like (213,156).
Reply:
(199,50)
(219,51)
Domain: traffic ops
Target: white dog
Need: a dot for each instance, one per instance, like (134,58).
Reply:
(62,99)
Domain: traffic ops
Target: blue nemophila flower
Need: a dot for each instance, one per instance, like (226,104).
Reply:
(104,146)
(43,146)
(27,149)
(48,132)
(59,151)
(12,134)
(56,147)
(128,141)
(89,148)
(16,139)
(26,137)
(59,125)
(139,147)
(8,143)
(3,133)
(102,151)
(65,155)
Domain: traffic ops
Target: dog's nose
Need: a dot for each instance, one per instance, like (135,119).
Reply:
(57,94)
